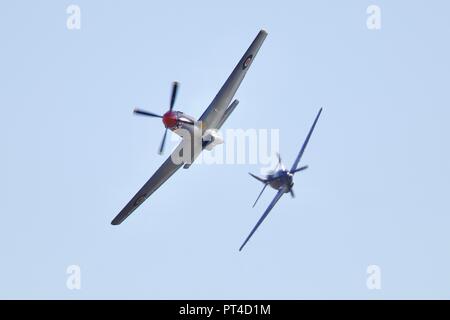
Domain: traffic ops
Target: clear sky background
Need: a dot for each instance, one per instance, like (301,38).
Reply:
(376,193)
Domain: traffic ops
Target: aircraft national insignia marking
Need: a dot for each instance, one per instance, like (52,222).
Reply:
(247,61)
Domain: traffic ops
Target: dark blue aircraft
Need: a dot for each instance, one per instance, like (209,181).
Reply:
(281,179)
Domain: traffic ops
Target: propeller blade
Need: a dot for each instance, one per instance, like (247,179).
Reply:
(264,188)
(163,142)
(146,113)
(292,193)
(174,95)
(258,178)
(280,162)
(300,169)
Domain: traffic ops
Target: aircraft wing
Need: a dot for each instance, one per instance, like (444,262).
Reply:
(271,205)
(164,172)
(214,113)
(300,154)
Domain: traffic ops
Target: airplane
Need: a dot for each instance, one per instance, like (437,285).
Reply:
(281,180)
(207,125)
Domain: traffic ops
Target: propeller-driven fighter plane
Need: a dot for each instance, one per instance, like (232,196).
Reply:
(207,125)
(280,179)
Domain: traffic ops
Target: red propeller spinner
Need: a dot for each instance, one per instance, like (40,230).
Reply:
(170,118)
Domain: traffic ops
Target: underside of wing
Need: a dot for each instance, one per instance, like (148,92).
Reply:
(164,172)
(263,217)
(214,113)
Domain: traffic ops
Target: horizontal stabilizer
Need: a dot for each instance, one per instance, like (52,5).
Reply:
(227,113)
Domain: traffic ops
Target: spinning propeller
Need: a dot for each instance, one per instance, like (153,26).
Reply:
(170,118)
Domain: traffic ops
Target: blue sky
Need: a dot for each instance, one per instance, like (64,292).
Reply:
(73,154)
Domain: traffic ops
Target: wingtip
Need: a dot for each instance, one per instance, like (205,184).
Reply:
(116,221)
(319,113)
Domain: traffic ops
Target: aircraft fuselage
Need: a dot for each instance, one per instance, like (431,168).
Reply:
(281,179)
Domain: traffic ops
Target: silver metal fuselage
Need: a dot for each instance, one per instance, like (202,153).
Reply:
(194,128)
(184,125)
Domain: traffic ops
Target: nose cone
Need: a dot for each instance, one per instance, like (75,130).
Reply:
(170,119)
